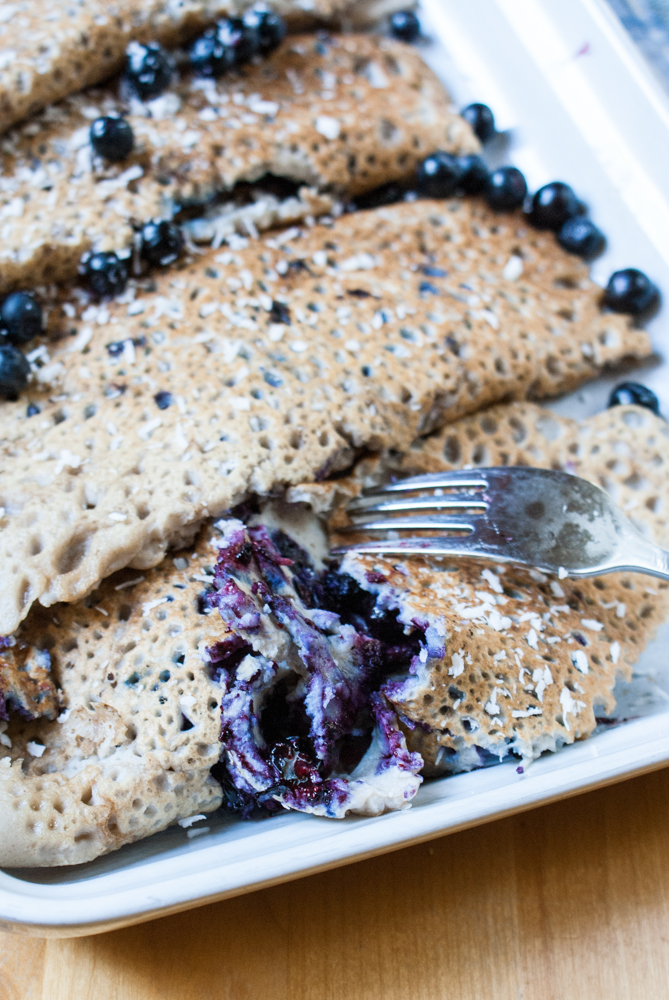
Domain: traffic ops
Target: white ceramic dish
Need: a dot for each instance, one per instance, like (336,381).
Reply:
(577,103)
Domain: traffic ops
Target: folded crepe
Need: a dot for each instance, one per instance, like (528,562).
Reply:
(315,116)
(315,687)
(51,49)
(250,370)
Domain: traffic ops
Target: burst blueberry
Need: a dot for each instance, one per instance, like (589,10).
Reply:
(405,26)
(148,69)
(634,393)
(439,175)
(552,205)
(112,138)
(581,236)
(506,189)
(481,120)
(105,274)
(161,242)
(630,291)
(14,371)
(20,318)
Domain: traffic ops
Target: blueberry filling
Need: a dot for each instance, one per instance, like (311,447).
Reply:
(305,724)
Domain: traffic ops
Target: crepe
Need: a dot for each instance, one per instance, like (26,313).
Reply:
(315,116)
(250,370)
(326,694)
(51,49)
(529,662)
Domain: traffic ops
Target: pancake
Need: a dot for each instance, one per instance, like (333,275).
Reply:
(252,370)
(51,49)
(321,691)
(314,116)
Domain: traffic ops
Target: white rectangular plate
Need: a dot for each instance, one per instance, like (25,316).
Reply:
(575,102)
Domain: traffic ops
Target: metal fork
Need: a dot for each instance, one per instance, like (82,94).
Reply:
(548,520)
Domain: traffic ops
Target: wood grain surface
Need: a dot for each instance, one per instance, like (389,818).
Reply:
(568,902)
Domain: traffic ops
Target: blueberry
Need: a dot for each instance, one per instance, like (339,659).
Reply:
(630,291)
(112,138)
(163,399)
(439,175)
(105,273)
(474,174)
(581,236)
(148,69)
(209,56)
(269,27)
(405,26)
(14,371)
(552,205)
(20,318)
(162,242)
(506,189)
(481,120)
(633,393)
(386,194)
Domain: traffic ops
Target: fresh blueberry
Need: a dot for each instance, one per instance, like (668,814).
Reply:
(148,69)
(162,242)
(105,273)
(633,393)
(506,189)
(269,27)
(230,43)
(386,194)
(439,175)
(112,138)
(630,291)
(20,318)
(474,174)
(581,236)
(405,26)
(163,399)
(209,56)
(481,120)
(14,371)
(552,205)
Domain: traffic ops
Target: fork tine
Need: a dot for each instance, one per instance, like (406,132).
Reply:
(450,501)
(443,546)
(459,479)
(420,522)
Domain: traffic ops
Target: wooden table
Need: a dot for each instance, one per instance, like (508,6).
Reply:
(566,902)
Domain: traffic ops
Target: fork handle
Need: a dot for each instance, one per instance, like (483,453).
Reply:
(642,557)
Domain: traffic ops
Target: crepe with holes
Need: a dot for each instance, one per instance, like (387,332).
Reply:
(211,654)
(305,685)
(279,141)
(513,661)
(50,49)
(251,370)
